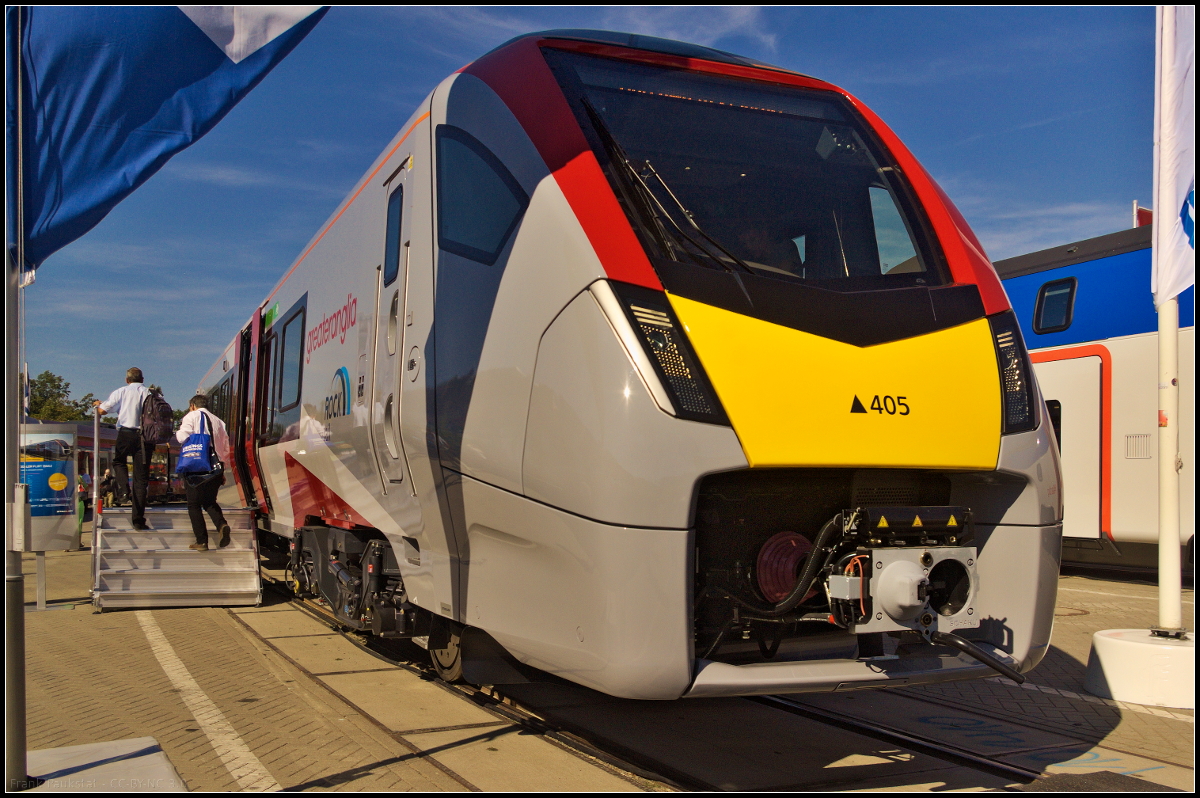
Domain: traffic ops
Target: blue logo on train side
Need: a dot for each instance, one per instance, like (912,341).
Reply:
(337,403)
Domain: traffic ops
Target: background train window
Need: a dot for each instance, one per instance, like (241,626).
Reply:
(789,181)
(479,201)
(1055,306)
(391,258)
(291,347)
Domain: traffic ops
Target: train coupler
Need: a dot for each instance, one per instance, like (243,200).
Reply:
(911,571)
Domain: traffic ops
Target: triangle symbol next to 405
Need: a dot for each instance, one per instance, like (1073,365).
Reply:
(857,407)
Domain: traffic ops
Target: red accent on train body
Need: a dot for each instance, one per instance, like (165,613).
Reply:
(521,78)
(312,498)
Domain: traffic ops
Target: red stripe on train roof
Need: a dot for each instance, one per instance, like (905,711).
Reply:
(520,76)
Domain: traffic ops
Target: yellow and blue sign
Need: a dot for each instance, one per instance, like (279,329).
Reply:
(48,468)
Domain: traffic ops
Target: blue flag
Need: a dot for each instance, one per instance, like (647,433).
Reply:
(99,98)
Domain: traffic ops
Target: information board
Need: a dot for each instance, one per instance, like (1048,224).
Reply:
(48,468)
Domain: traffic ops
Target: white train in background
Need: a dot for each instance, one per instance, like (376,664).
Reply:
(1088,318)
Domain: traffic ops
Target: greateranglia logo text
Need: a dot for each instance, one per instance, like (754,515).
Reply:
(331,327)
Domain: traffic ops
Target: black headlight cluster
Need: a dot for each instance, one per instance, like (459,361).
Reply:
(663,338)
(1016,375)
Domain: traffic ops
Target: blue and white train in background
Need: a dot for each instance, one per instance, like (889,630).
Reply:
(1089,321)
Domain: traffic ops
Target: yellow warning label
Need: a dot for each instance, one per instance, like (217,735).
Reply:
(951,522)
(882,522)
(57,481)
(917,521)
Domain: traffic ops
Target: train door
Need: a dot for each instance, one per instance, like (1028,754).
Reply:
(241,415)
(1072,390)
(389,334)
(256,367)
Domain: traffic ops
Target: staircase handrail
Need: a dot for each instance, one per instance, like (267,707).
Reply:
(97,505)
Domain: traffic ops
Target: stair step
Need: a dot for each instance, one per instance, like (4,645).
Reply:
(152,570)
(183,523)
(145,581)
(233,598)
(160,540)
(155,567)
(170,560)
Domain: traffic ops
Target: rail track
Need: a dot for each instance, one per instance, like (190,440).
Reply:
(409,656)
(612,753)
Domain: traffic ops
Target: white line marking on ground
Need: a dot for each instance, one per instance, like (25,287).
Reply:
(1117,595)
(1092,699)
(237,757)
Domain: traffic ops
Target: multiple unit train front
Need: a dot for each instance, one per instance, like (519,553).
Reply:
(660,370)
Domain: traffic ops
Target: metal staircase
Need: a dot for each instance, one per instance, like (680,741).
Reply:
(155,568)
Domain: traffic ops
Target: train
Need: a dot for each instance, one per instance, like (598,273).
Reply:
(660,370)
(1088,316)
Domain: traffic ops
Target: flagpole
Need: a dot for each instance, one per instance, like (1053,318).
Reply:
(1170,587)
(16,498)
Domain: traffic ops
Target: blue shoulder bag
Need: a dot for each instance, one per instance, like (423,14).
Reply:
(196,456)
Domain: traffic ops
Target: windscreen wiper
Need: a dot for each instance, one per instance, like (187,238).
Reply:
(649,201)
(690,217)
(629,186)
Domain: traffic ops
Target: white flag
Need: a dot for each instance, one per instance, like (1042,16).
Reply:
(1174,153)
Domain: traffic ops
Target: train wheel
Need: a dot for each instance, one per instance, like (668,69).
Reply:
(448,661)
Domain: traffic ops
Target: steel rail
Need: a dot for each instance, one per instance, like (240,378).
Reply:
(915,742)
(576,741)
(612,752)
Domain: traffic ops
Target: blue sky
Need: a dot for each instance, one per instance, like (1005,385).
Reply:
(1037,122)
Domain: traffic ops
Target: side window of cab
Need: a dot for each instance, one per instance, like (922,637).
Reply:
(479,201)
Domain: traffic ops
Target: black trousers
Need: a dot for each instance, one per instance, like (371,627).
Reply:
(129,443)
(200,499)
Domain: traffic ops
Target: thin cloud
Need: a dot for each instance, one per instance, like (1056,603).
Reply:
(1050,120)
(1019,231)
(485,28)
(227,176)
(1010,228)
(478,26)
(704,25)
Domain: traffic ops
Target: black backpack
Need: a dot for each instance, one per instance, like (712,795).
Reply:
(158,421)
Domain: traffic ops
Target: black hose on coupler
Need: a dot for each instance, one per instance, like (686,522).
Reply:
(972,650)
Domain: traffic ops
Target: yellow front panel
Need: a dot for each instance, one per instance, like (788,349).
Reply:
(932,401)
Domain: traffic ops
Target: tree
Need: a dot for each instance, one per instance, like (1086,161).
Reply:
(50,400)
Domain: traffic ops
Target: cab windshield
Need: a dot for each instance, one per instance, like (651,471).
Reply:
(744,176)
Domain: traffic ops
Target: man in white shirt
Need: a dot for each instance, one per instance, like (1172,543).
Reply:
(127,403)
(202,489)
